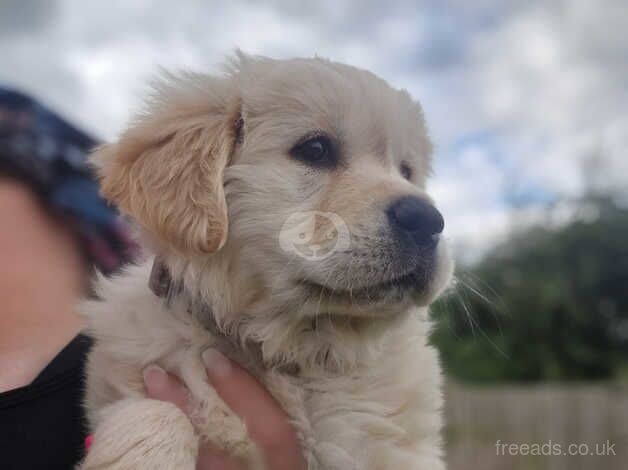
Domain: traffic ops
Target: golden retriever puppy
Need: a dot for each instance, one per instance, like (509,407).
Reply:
(284,204)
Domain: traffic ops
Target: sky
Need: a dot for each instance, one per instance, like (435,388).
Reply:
(526,101)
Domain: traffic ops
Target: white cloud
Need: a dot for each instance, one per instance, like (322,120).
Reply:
(543,83)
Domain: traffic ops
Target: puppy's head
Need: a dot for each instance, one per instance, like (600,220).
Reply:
(305,177)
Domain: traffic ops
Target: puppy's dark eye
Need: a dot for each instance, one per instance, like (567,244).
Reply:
(406,171)
(317,151)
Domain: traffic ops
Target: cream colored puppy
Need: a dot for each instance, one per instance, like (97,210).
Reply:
(285,203)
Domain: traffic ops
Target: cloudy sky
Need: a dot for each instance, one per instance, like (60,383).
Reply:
(517,93)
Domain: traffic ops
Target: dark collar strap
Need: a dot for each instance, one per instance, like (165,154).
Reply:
(162,285)
(160,281)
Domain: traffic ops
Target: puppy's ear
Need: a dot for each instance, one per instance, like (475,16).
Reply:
(166,170)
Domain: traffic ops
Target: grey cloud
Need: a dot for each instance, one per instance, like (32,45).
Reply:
(465,61)
(20,17)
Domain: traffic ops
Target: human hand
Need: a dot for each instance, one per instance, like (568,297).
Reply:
(266,422)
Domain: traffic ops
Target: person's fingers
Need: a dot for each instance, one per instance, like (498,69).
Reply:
(210,458)
(266,421)
(165,387)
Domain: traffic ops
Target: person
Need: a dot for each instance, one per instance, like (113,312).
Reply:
(54,231)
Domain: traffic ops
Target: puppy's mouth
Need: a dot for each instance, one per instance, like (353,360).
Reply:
(414,283)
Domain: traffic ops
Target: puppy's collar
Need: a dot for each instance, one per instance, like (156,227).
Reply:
(163,286)
(160,281)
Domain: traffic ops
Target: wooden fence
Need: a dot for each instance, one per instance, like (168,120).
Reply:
(482,423)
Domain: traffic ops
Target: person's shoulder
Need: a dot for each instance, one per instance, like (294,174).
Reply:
(43,423)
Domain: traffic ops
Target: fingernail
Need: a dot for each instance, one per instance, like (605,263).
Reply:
(154,377)
(216,363)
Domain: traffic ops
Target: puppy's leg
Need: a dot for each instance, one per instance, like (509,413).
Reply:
(214,421)
(137,433)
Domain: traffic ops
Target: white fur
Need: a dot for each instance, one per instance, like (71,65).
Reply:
(356,376)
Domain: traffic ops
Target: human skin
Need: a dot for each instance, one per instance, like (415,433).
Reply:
(266,422)
(42,275)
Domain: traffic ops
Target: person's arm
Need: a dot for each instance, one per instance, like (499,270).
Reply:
(267,423)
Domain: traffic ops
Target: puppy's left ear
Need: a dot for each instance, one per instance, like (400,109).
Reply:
(166,171)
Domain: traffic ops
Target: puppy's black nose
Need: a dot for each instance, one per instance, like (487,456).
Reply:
(417,217)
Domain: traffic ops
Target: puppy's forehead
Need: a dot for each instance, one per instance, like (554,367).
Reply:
(353,105)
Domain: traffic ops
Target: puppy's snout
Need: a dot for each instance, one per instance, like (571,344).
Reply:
(416,217)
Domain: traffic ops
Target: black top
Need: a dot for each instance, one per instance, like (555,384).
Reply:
(42,425)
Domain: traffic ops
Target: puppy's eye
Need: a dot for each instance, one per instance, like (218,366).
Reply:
(406,171)
(317,151)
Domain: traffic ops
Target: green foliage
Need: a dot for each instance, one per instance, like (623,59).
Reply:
(546,305)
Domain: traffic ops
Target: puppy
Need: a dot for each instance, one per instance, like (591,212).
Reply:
(284,202)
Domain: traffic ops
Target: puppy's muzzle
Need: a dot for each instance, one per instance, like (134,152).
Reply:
(417,220)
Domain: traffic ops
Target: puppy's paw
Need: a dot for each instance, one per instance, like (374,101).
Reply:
(219,426)
(142,434)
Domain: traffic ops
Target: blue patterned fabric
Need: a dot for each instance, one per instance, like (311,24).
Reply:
(40,148)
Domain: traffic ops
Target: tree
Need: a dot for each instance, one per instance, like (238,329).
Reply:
(557,307)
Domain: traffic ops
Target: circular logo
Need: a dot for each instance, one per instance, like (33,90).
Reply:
(314,235)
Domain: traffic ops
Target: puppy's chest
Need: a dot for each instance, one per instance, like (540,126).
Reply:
(344,421)
(382,409)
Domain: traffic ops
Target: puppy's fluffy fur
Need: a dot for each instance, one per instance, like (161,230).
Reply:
(208,175)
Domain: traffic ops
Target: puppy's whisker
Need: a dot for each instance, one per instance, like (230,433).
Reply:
(494,309)
(469,286)
(352,302)
(473,323)
(320,297)
(468,314)
(496,305)
(478,279)
(277,278)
